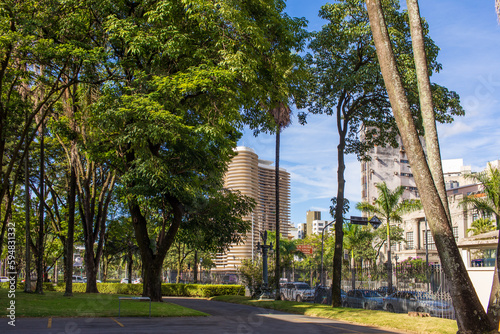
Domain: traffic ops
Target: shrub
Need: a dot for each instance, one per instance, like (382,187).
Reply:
(168,289)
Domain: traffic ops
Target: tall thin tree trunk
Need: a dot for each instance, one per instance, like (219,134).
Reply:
(195,267)
(471,317)
(277,199)
(27,279)
(339,222)
(389,260)
(68,263)
(39,241)
(426,104)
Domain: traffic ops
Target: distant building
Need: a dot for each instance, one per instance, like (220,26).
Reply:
(319,225)
(302,231)
(310,217)
(255,178)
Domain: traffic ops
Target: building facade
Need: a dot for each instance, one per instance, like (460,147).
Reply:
(391,165)
(255,178)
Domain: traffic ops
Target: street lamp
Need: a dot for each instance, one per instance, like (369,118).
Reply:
(374,221)
(264,248)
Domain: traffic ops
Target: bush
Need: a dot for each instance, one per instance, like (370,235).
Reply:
(200,290)
(168,289)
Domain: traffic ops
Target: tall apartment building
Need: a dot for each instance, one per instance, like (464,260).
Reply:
(255,178)
(390,165)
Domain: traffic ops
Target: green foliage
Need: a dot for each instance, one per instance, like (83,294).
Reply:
(490,181)
(388,205)
(345,78)
(358,241)
(413,268)
(168,289)
(481,225)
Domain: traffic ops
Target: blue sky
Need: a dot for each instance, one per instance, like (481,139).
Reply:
(468,34)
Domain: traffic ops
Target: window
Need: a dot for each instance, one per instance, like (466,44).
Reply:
(430,240)
(455,233)
(409,240)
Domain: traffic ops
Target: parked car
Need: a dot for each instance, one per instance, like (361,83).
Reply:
(4,279)
(297,291)
(384,290)
(342,295)
(85,280)
(137,281)
(125,281)
(415,301)
(360,298)
(78,279)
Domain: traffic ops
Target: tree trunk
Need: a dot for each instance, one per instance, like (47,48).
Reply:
(91,265)
(389,260)
(68,263)
(277,199)
(195,267)
(338,254)
(129,263)
(39,240)
(152,261)
(471,317)
(426,104)
(27,279)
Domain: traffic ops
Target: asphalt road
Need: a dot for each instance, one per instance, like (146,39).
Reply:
(224,318)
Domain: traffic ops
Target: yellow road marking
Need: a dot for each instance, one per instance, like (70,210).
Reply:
(119,323)
(49,325)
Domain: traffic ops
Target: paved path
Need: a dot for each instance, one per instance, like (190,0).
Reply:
(224,318)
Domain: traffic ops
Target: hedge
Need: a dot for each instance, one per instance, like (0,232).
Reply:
(168,289)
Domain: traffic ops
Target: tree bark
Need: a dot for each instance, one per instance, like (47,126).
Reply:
(68,261)
(195,267)
(389,260)
(277,199)
(152,260)
(39,240)
(338,254)
(471,317)
(27,279)
(426,104)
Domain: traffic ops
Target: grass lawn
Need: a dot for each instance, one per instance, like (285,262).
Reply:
(383,319)
(54,304)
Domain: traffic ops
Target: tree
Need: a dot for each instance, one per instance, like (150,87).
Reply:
(36,64)
(481,225)
(471,317)
(390,208)
(490,181)
(346,82)
(173,118)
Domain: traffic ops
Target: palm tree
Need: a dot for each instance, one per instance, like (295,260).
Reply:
(281,114)
(355,239)
(481,225)
(389,207)
(490,203)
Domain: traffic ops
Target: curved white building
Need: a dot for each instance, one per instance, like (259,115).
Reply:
(255,178)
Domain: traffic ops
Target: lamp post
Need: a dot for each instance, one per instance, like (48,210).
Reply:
(322,242)
(264,248)
(374,221)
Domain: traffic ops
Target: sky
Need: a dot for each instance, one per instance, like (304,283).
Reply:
(468,34)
